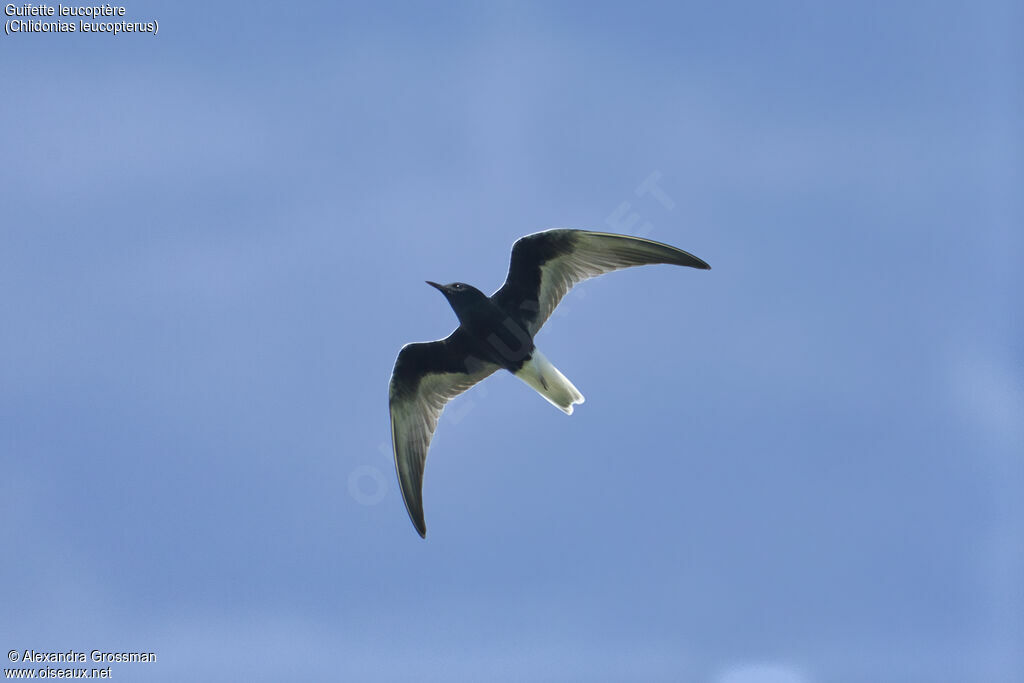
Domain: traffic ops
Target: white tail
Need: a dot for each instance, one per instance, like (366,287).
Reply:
(545,378)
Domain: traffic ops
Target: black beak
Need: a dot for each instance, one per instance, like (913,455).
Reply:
(436,286)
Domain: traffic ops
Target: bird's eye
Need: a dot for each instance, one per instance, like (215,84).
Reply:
(458,286)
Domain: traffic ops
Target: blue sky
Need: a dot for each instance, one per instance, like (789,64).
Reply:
(803,466)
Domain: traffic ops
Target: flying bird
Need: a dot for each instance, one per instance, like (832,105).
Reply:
(497,332)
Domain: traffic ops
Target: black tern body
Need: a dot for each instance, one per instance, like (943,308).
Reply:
(496,332)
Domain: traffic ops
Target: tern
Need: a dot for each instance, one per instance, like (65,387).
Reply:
(496,332)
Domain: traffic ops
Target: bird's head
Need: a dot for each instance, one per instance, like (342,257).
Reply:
(462,297)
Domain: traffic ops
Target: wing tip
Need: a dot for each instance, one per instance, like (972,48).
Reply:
(691,261)
(418,520)
(684,258)
(417,517)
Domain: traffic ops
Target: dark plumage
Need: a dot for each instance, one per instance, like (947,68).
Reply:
(497,332)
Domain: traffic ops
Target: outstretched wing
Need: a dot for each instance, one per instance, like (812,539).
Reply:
(426,376)
(546,265)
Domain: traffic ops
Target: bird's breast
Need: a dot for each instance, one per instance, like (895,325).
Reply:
(500,339)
